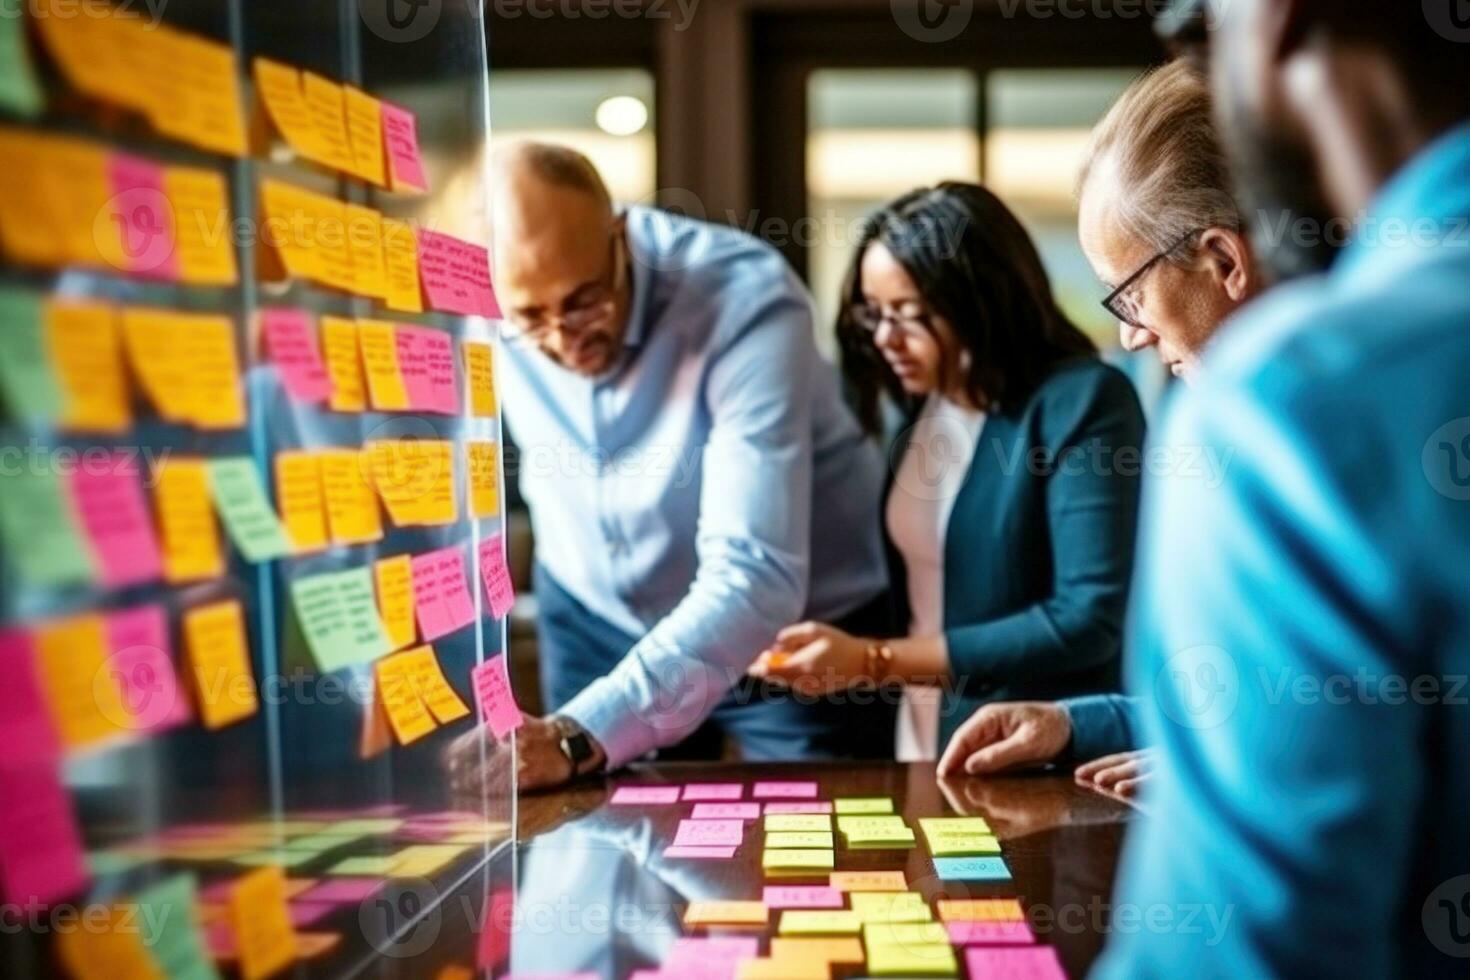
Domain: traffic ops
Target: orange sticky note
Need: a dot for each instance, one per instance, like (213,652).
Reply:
(189,535)
(77,180)
(289,229)
(29,229)
(365,129)
(326,235)
(84,696)
(415,479)
(401,260)
(156,354)
(407,713)
(376,735)
(219,662)
(394,578)
(344,364)
(484,472)
(868,881)
(206,105)
(980,910)
(846,949)
(110,950)
(86,347)
(702,913)
(299,494)
(433,688)
(774,968)
(261,920)
(365,243)
(352,507)
(203,235)
(479,365)
(214,372)
(380,363)
(279,87)
(326,102)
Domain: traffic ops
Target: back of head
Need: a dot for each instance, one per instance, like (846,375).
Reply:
(1426,43)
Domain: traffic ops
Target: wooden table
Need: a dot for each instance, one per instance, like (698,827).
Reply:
(594,892)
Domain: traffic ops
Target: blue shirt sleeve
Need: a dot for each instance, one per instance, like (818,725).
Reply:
(1102,724)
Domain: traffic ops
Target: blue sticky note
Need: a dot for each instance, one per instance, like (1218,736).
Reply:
(972,869)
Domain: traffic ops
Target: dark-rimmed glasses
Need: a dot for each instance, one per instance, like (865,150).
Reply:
(1121,303)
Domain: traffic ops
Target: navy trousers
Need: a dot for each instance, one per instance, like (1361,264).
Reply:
(768,724)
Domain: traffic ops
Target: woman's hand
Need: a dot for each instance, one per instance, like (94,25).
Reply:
(814,658)
(1124,774)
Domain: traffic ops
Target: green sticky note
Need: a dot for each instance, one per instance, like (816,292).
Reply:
(866,804)
(899,960)
(18,89)
(38,528)
(953,845)
(797,860)
(797,821)
(317,843)
(819,922)
(921,933)
(284,859)
(104,863)
(240,496)
(808,838)
(27,378)
(362,827)
(364,866)
(954,825)
(171,932)
(338,613)
(850,824)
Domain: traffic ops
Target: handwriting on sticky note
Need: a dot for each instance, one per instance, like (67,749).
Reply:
(426,357)
(799,806)
(385,379)
(110,505)
(219,661)
(723,833)
(784,790)
(85,699)
(143,219)
(141,661)
(338,614)
(726,811)
(495,696)
(483,465)
(456,275)
(801,897)
(1024,963)
(181,498)
(86,346)
(240,495)
(713,791)
(415,479)
(427,676)
(401,137)
(325,103)
(262,923)
(441,596)
(869,881)
(303,505)
(496,575)
(701,913)
(365,128)
(200,202)
(291,343)
(352,506)
(394,579)
(402,291)
(408,715)
(479,365)
(644,795)
(344,364)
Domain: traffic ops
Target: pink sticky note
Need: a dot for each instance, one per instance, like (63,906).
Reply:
(401,140)
(491,681)
(219,938)
(343,891)
(292,346)
(726,811)
(722,833)
(1014,963)
(801,897)
(142,217)
(141,660)
(494,946)
(707,851)
(494,572)
(26,729)
(990,933)
(712,947)
(307,914)
(426,358)
(785,790)
(799,806)
(41,855)
(441,596)
(114,514)
(456,275)
(635,795)
(713,791)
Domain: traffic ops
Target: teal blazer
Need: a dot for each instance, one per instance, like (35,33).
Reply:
(1039,550)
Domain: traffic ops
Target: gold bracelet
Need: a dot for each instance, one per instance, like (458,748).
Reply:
(880,662)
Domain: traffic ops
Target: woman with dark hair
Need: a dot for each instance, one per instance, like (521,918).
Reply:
(1012,507)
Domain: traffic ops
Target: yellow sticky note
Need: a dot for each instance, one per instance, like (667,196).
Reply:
(206,108)
(394,578)
(797,859)
(865,804)
(379,342)
(299,494)
(408,715)
(325,102)
(401,259)
(423,860)
(214,372)
(279,87)
(344,364)
(782,968)
(157,357)
(891,907)
(733,913)
(421,666)
(845,950)
(920,933)
(86,347)
(365,244)
(352,508)
(187,528)
(203,235)
(415,479)
(365,130)
(868,881)
(947,845)
(797,922)
(954,825)
(484,475)
(30,231)
(290,230)
(112,950)
(980,910)
(480,371)
(262,923)
(797,822)
(219,661)
(799,839)
(895,960)
(84,696)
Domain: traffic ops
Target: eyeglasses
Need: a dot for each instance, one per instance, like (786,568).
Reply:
(1122,303)
(910,319)
(594,310)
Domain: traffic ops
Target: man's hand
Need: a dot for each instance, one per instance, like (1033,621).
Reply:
(1007,736)
(1123,774)
(540,763)
(813,659)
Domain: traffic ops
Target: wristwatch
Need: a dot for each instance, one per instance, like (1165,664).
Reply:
(575,744)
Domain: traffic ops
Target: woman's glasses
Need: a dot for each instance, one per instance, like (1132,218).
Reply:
(909,319)
(1123,303)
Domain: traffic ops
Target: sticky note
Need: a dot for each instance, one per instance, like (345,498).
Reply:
(426,358)
(784,790)
(194,92)
(721,832)
(338,613)
(303,505)
(881,823)
(695,949)
(954,825)
(325,101)
(85,698)
(415,479)
(105,948)
(495,574)
(19,91)
(219,661)
(181,499)
(479,365)
(1024,963)
(700,851)
(801,897)
(921,933)
(344,365)
(27,381)
(279,87)
(897,960)
(483,466)
(41,852)
(394,580)
(365,245)
(441,598)
(29,232)
(380,363)
(422,667)
(799,839)
(799,806)
(26,726)
(713,791)
(290,230)
(203,237)
(154,344)
(892,907)
(496,698)
(869,881)
(799,861)
(407,713)
(140,660)
(726,811)
(797,922)
(797,822)
(343,891)
(365,131)
(262,923)
(143,219)
(402,291)
(952,845)
(108,496)
(644,795)
(709,913)
(844,950)
(291,343)
(86,347)
(170,927)
(401,139)
(971,869)
(980,910)
(212,365)
(989,933)
(240,496)
(456,275)
(770,968)
(352,506)
(863,805)
(38,526)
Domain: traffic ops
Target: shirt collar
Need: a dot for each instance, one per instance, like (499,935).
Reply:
(640,278)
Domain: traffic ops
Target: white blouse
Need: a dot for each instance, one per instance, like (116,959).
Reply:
(929,477)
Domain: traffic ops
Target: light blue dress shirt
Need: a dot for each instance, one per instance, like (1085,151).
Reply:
(708,490)
(1303,633)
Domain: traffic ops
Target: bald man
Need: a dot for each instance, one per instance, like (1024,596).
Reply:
(678,432)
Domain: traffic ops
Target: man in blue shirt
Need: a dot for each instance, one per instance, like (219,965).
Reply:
(694,479)
(1302,635)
